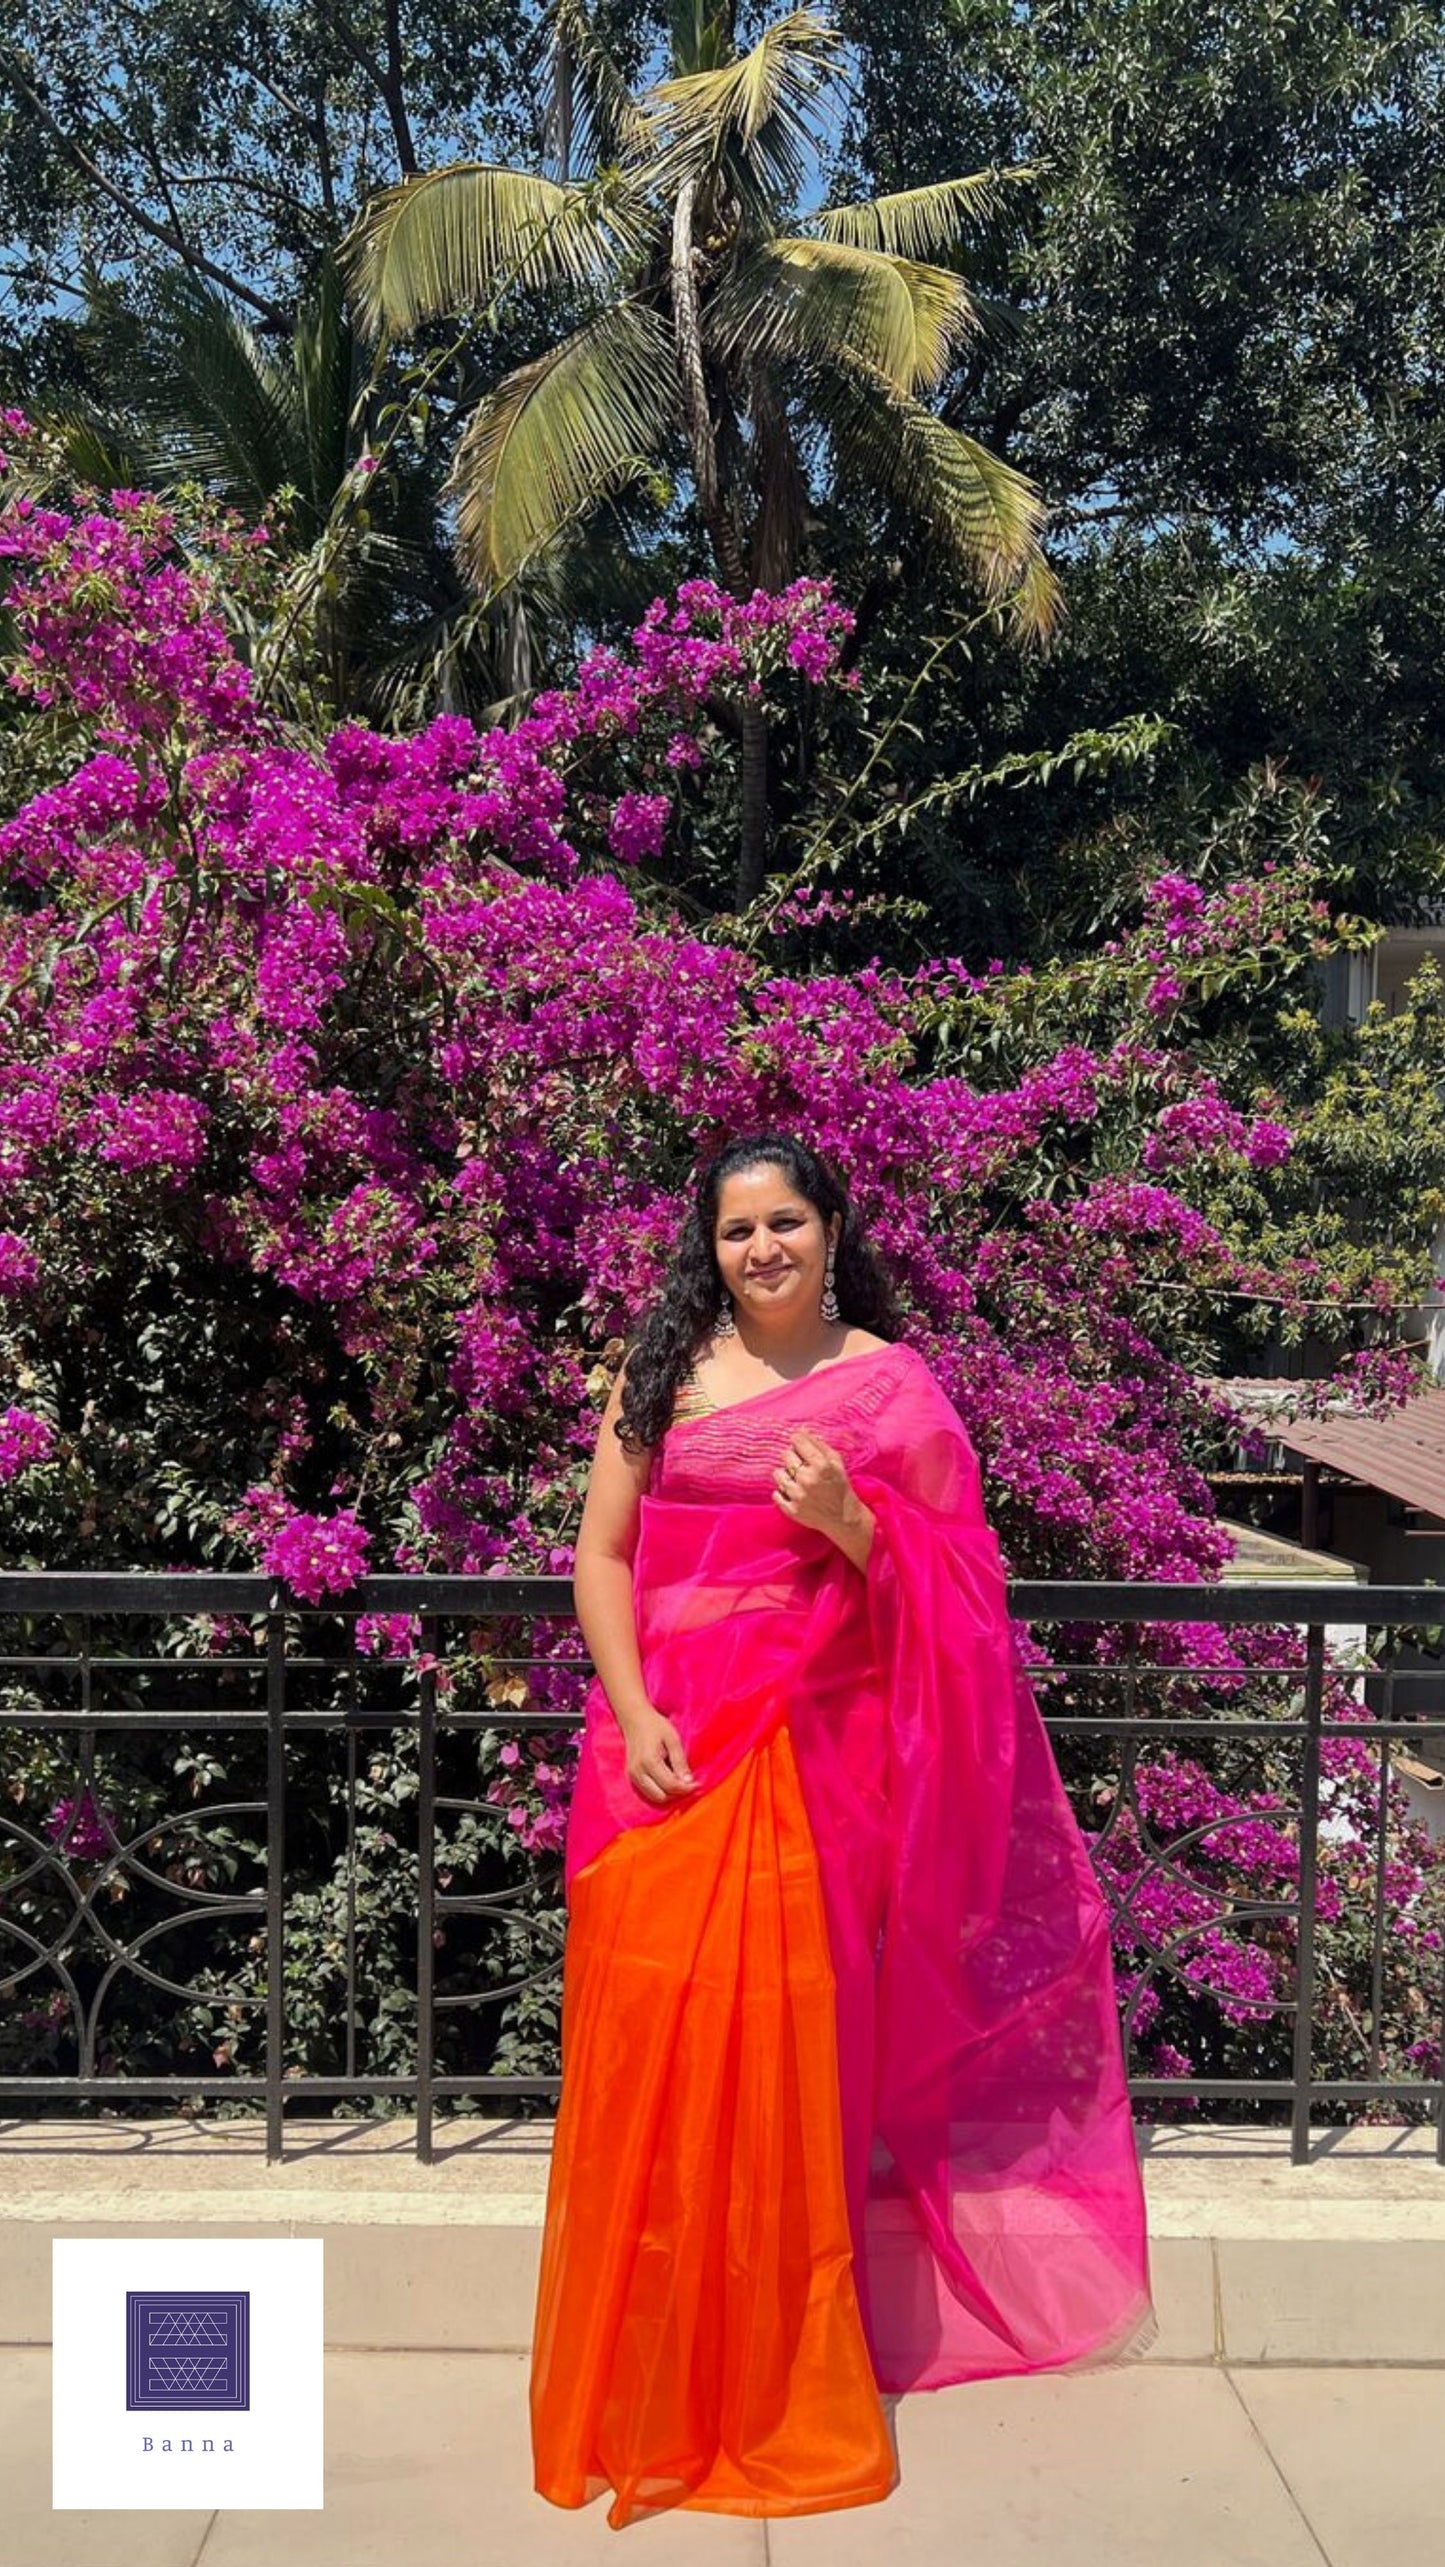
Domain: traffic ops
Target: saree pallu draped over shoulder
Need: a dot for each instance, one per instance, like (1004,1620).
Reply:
(843,2108)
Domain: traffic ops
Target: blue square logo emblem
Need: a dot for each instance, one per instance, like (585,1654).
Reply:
(187,2350)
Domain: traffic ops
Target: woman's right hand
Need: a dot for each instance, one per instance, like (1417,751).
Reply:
(657,1765)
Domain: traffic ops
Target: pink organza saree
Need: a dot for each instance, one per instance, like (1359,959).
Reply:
(967,2089)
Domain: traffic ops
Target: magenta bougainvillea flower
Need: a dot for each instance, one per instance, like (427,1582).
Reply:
(399,1037)
(82,1827)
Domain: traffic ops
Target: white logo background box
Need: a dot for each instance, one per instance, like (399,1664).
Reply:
(99,2459)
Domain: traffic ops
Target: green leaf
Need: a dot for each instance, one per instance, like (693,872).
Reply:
(826,303)
(926,222)
(983,512)
(558,435)
(749,126)
(448,241)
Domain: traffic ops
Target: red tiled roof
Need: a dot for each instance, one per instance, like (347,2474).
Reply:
(1403,1453)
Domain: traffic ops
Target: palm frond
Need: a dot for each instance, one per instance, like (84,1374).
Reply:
(997,318)
(825,301)
(559,434)
(89,446)
(1036,607)
(751,120)
(324,367)
(211,403)
(449,240)
(451,661)
(945,313)
(986,515)
(700,36)
(926,222)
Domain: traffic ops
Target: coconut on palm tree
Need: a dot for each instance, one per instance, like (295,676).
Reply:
(701,308)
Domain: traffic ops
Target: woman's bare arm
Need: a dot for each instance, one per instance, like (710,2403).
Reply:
(602,1574)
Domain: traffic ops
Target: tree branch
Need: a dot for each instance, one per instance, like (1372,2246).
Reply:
(323,155)
(1006,416)
(396,88)
(388,78)
(289,106)
(158,171)
(166,233)
(239,182)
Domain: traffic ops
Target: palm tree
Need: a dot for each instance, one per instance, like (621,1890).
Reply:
(374,606)
(705,312)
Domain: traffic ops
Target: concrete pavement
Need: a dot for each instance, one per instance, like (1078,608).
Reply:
(1291,2410)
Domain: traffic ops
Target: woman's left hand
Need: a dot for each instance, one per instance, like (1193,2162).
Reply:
(811,1484)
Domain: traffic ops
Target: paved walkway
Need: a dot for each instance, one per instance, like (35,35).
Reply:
(1291,2412)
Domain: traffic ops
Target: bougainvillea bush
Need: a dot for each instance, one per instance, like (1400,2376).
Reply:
(349,1090)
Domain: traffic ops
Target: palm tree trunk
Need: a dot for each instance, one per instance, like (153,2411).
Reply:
(701,433)
(722,533)
(753,834)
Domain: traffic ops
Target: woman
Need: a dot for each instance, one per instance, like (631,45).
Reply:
(843,2105)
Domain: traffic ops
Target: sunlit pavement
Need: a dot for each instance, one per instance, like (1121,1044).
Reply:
(1292,2409)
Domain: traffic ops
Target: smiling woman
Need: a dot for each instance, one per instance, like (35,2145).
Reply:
(843,2108)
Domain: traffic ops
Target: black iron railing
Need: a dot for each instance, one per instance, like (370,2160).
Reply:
(70,1670)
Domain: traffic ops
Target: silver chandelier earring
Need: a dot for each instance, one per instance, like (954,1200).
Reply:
(829,1303)
(725,1325)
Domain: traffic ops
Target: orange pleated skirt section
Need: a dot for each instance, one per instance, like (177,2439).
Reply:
(698,2340)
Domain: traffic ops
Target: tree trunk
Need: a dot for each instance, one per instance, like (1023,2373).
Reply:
(753,841)
(701,433)
(722,535)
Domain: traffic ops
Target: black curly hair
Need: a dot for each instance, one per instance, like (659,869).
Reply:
(662,1349)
